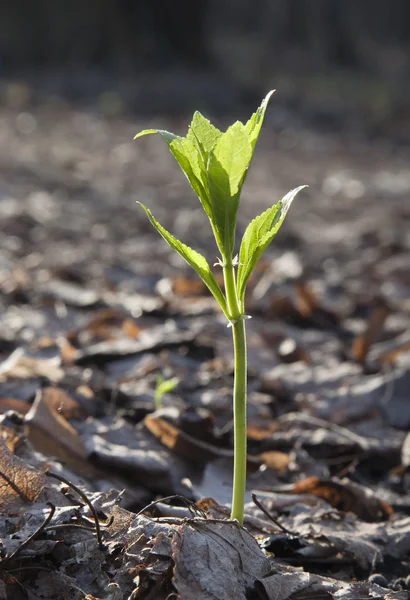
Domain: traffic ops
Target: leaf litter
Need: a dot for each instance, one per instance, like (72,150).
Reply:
(94,310)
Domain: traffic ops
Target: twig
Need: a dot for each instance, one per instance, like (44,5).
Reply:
(350,467)
(29,568)
(346,433)
(26,542)
(188,503)
(86,500)
(74,525)
(267,514)
(109,521)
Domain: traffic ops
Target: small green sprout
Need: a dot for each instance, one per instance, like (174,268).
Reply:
(163,386)
(216,165)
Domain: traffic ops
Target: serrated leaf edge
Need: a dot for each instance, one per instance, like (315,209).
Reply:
(246,269)
(185,251)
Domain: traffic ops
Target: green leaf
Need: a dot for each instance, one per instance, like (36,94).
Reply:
(166,385)
(204,135)
(189,158)
(163,387)
(257,237)
(253,126)
(193,258)
(227,168)
(167,135)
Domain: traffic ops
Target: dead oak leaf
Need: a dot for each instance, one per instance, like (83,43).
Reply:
(216,559)
(49,430)
(19,482)
(346,496)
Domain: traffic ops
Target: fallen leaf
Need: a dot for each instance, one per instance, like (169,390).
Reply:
(106,324)
(278,461)
(309,307)
(372,333)
(19,482)
(49,430)
(216,560)
(390,356)
(346,496)
(283,586)
(187,286)
(183,444)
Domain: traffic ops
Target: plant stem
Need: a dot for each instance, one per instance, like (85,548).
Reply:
(239,395)
(239,417)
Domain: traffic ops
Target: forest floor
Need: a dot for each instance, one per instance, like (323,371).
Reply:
(94,307)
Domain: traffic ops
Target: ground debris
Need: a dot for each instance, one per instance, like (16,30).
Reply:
(94,312)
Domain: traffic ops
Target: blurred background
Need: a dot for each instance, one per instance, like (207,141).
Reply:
(335,64)
(79,79)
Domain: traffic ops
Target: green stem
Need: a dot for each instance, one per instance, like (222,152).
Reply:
(239,395)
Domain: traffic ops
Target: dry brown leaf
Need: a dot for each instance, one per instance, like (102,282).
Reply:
(306,301)
(216,560)
(275,460)
(19,482)
(10,437)
(182,443)
(281,307)
(68,352)
(21,366)
(107,324)
(309,307)
(50,432)
(390,356)
(346,496)
(13,404)
(258,430)
(374,327)
(187,286)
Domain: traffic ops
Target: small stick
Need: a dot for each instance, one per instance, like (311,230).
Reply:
(267,514)
(86,500)
(30,568)
(350,467)
(108,523)
(32,536)
(188,503)
(75,525)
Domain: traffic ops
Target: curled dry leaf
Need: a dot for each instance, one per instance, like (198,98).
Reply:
(346,496)
(106,324)
(19,482)
(21,365)
(283,586)
(389,357)
(309,307)
(374,328)
(182,443)
(49,430)
(278,461)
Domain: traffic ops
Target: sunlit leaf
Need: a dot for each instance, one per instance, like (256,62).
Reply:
(167,135)
(193,258)
(253,126)
(203,134)
(257,237)
(227,168)
(189,158)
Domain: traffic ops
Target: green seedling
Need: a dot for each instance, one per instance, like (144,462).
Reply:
(163,386)
(216,165)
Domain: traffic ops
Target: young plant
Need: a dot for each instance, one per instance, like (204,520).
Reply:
(216,165)
(163,386)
